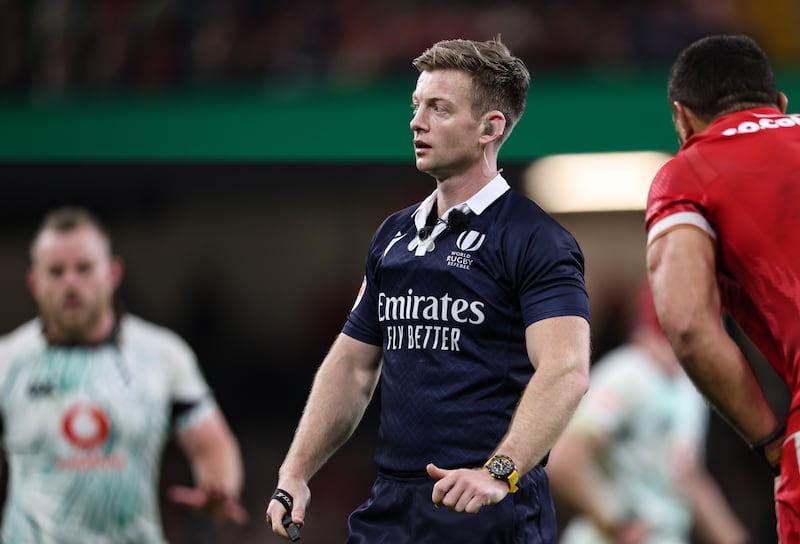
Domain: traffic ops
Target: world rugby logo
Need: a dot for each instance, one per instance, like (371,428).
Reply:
(470,240)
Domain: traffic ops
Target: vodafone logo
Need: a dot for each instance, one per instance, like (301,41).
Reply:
(764,123)
(85,425)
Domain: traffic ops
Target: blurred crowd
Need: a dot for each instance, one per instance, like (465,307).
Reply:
(56,45)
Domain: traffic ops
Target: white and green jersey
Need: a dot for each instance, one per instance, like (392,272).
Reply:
(83,429)
(653,423)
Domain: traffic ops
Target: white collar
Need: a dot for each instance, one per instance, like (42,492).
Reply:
(476,204)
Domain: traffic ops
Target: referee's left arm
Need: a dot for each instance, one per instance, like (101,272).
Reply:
(559,349)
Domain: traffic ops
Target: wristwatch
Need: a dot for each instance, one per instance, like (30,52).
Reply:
(503,468)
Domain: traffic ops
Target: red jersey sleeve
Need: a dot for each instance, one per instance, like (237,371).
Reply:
(676,199)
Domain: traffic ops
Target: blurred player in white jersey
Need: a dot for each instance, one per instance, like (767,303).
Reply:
(630,462)
(88,398)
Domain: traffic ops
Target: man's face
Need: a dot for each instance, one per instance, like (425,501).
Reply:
(446,134)
(73,278)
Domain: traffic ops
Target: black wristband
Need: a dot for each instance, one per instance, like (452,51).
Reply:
(285,499)
(759,448)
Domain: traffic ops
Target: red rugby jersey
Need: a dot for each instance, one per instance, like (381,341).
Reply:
(739,181)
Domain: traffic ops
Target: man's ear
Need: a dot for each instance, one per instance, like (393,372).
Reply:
(679,121)
(686,122)
(117,271)
(494,124)
(783,102)
(30,281)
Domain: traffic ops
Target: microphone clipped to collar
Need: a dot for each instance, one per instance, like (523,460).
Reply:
(457,221)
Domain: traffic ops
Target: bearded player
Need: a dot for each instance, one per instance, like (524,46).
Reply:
(87,398)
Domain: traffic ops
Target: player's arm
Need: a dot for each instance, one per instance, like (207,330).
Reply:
(712,516)
(559,350)
(682,270)
(342,389)
(215,459)
(574,475)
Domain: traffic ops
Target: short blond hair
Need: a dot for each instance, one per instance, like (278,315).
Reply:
(499,79)
(67,219)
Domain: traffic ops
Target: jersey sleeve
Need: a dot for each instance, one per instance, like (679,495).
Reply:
(5,363)
(362,321)
(550,275)
(192,399)
(26,338)
(676,200)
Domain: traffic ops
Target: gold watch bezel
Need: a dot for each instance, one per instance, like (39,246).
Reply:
(511,478)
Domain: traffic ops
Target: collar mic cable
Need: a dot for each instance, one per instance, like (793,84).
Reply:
(457,221)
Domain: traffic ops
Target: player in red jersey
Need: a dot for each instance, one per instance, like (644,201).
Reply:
(723,217)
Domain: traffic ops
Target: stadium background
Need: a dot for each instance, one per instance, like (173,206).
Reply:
(243,152)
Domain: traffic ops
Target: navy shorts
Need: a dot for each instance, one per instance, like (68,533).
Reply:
(400,511)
